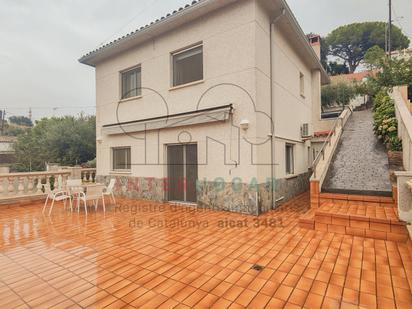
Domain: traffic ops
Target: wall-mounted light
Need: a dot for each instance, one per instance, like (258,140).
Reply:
(244,124)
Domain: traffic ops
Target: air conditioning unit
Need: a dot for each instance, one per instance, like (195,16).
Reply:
(305,130)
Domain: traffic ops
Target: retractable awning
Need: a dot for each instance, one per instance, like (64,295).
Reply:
(213,114)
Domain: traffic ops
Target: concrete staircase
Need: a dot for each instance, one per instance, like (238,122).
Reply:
(360,164)
(356,195)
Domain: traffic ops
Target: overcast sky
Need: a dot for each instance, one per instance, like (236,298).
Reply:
(41,41)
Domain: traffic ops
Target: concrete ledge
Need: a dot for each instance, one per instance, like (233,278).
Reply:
(22,200)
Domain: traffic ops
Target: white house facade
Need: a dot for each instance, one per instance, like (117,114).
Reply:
(213,104)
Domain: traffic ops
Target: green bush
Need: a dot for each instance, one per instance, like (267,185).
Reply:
(340,93)
(385,123)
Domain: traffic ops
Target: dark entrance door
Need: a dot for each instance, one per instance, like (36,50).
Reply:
(182,172)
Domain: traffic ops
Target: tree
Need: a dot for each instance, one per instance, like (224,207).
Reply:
(334,68)
(394,72)
(373,57)
(340,93)
(351,42)
(67,140)
(21,120)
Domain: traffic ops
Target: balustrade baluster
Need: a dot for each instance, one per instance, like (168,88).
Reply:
(20,186)
(1,186)
(30,184)
(39,185)
(10,187)
(48,182)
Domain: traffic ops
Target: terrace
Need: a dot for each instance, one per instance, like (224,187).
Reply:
(148,255)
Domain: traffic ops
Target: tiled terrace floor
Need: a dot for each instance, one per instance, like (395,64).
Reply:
(69,260)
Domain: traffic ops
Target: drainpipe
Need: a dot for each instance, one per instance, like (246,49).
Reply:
(272,109)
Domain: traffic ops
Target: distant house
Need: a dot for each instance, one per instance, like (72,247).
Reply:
(209,104)
(402,54)
(6,153)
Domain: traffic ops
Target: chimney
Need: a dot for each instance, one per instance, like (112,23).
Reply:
(314,40)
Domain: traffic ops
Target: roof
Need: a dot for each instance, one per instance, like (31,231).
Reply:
(7,139)
(189,13)
(358,77)
(322,133)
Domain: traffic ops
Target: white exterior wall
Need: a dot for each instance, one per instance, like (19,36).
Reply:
(290,109)
(236,50)
(6,147)
(229,57)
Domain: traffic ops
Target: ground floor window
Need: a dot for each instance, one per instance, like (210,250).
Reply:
(289,150)
(121,158)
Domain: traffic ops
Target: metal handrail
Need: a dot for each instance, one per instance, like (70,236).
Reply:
(332,132)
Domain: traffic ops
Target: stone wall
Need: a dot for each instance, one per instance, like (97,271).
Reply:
(290,187)
(252,199)
(234,197)
(136,187)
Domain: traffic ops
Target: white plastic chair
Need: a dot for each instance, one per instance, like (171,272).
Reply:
(94,193)
(74,187)
(109,190)
(56,196)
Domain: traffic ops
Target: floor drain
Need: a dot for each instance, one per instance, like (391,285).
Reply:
(257,267)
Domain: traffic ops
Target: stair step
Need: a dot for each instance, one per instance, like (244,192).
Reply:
(356,197)
(357,218)
(357,226)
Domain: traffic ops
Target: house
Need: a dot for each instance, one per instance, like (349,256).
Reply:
(6,153)
(213,104)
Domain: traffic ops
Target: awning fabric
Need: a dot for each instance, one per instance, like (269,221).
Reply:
(214,114)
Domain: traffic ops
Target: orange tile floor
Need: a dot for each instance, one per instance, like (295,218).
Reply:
(359,208)
(150,255)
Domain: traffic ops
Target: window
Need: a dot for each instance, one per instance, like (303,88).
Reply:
(121,158)
(290,169)
(410,93)
(187,66)
(302,84)
(131,83)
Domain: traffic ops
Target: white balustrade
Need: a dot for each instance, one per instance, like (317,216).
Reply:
(19,185)
(16,185)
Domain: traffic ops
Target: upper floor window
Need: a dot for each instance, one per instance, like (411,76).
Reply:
(131,82)
(187,66)
(121,158)
(302,84)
